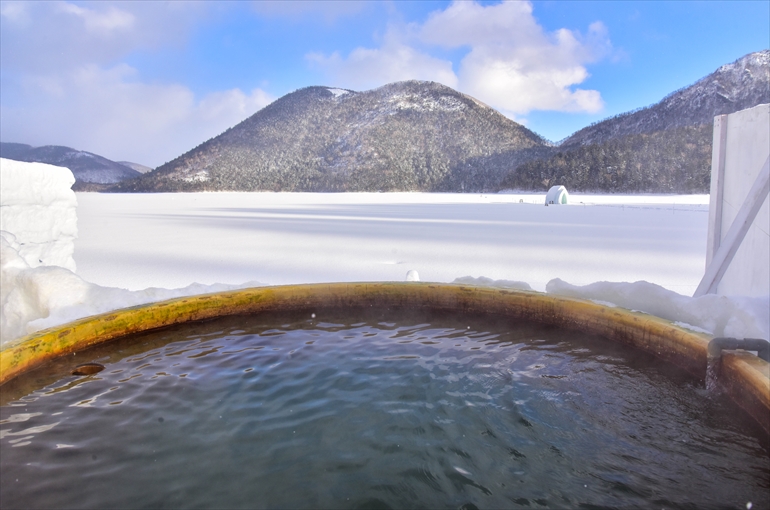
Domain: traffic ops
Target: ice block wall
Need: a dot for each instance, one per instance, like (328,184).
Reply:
(38,215)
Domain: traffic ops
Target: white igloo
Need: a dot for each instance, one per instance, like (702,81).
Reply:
(557,195)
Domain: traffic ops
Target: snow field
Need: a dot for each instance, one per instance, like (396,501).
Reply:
(172,240)
(133,248)
(656,241)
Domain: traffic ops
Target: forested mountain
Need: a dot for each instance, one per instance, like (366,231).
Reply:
(672,161)
(88,168)
(423,136)
(400,137)
(732,87)
(664,148)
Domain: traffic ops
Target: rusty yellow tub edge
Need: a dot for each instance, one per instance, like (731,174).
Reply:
(684,348)
(746,378)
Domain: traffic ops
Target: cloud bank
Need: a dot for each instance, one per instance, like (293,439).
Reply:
(111,112)
(64,81)
(511,63)
(394,60)
(72,72)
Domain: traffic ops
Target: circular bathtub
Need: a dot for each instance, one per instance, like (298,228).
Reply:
(414,393)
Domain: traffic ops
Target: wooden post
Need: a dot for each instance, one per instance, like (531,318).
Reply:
(718,154)
(734,237)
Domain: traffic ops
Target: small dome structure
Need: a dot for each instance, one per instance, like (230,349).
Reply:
(557,195)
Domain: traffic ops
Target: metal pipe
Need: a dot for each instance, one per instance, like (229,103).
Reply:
(762,347)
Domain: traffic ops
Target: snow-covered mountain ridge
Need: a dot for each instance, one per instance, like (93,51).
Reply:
(424,136)
(733,87)
(85,166)
(407,136)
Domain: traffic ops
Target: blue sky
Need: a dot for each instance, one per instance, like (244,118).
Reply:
(147,81)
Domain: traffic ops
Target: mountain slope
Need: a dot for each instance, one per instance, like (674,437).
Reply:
(733,87)
(402,136)
(85,166)
(664,148)
(671,161)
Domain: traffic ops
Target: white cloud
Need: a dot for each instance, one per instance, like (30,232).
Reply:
(15,12)
(231,104)
(63,82)
(393,61)
(102,22)
(512,63)
(41,37)
(110,112)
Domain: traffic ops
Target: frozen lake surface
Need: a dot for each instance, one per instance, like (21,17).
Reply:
(139,248)
(136,241)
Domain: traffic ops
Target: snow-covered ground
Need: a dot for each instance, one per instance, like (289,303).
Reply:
(172,240)
(509,239)
(133,248)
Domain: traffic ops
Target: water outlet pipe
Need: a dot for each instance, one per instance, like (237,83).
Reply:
(760,346)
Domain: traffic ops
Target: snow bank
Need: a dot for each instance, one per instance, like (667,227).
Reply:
(32,299)
(38,212)
(38,227)
(738,317)
(37,298)
(483,281)
(731,316)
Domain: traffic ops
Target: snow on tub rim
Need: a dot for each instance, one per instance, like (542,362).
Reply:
(745,376)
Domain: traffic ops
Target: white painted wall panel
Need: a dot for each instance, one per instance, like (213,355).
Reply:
(747,147)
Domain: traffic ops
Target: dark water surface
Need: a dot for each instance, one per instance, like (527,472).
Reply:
(395,411)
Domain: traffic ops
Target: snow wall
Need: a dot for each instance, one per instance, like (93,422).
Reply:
(741,147)
(38,216)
